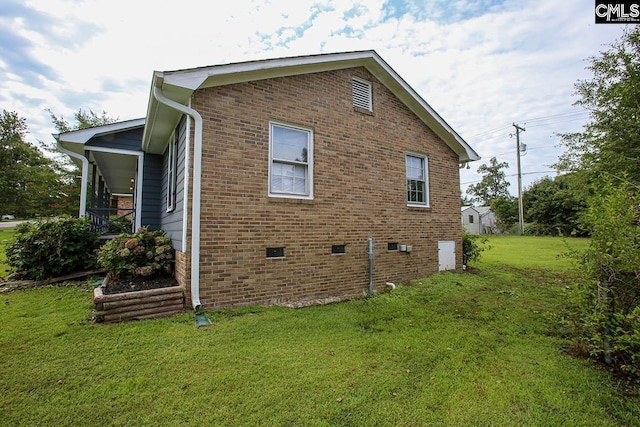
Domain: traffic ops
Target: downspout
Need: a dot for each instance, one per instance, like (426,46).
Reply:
(85,176)
(197,187)
(185,202)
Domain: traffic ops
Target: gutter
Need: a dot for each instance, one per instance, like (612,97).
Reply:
(197,189)
(85,175)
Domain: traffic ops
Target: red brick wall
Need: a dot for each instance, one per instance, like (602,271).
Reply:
(124,204)
(180,270)
(359,192)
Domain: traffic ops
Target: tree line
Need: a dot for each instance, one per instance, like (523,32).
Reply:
(553,206)
(35,179)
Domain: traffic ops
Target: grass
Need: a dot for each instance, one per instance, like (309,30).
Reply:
(548,253)
(5,235)
(480,348)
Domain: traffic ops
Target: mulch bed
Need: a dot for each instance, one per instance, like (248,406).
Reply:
(138,283)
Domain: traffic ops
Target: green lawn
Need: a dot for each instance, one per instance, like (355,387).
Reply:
(549,253)
(5,235)
(456,349)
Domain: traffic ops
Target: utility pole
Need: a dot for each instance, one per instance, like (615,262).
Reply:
(520,205)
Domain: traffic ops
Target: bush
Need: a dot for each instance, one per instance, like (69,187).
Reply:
(52,248)
(470,249)
(607,316)
(119,224)
(536,229)
(144,253)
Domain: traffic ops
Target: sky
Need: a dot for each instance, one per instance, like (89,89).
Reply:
(483,65)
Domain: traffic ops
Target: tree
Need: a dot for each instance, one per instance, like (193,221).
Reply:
(607,317)
(555,206)
(610,142)
(465,201)
(506,212)
(29,181)
(493,184)
(83,120)
(33,180)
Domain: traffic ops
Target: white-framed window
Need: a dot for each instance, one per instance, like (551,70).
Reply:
(361,91)
(290,161)
(172,169)
(417,180)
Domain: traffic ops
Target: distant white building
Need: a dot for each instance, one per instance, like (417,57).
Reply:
(478,220)
(470,219)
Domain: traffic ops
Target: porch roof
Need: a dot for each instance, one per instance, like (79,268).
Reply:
(115,156)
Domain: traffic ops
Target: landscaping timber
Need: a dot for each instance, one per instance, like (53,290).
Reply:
(138,305)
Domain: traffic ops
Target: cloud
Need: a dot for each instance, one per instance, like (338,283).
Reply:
(482,64)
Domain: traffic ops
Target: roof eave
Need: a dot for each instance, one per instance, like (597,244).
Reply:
(75,140)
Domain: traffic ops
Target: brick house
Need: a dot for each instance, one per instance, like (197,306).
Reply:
(288,181)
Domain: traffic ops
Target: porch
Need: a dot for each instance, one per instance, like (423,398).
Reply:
(111,161)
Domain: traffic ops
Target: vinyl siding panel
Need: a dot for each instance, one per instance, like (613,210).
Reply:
(151,191)
(172,222)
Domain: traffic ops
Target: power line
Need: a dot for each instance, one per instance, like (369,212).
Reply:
(513,174)
(554,116)
(538,122)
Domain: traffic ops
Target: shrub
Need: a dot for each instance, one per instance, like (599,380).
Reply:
(536,229)
(470,249)
(144,253)
(607,316)
(119,224)
(51,248)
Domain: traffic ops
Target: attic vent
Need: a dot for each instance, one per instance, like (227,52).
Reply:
(362,94)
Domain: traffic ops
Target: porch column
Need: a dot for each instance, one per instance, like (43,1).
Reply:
(94,174)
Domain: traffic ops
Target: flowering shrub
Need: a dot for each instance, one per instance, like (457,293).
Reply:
(144,253)
(55,247)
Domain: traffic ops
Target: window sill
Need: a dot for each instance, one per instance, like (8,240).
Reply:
(285,199)
(419,207)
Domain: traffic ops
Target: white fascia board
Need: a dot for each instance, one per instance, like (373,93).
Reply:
(75,140)
(83,136)
(217,75)
(114,150)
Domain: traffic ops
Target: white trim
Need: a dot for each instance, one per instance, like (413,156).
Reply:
(113,150)
(82,136)
(139,195)
(309,163)
(425,170)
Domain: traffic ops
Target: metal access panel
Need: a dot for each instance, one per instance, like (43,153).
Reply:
(446,255)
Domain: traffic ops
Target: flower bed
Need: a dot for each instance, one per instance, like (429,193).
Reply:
(138,305)
(139,284)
